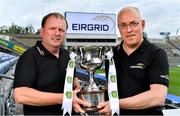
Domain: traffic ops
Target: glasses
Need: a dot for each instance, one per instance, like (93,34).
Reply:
(132,25)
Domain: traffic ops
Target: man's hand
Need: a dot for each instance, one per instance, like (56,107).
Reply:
(105,108)
(77,102)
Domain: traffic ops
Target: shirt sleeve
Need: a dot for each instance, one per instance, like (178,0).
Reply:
(25,72)
(159,69)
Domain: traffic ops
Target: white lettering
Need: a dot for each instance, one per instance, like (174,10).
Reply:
(90,27)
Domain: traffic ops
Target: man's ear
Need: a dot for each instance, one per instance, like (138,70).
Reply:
(41,31)
(143,24)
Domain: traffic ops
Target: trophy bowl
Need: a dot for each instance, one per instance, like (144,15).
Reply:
(94,97)
(91,58)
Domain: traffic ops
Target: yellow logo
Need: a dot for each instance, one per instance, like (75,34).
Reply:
(71,64)
(113,78)
(114,94)
(69,79)
(69,94)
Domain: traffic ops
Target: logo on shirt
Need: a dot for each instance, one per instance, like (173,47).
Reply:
(138,65)
(40,51)
(164,76)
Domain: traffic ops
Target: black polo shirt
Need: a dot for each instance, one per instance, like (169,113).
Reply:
(38,68)
(135,73)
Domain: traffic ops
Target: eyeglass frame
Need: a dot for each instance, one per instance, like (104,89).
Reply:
(132,25)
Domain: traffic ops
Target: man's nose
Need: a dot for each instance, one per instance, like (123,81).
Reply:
(57,32)
(128,28)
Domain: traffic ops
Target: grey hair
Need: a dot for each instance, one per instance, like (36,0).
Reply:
(129,8)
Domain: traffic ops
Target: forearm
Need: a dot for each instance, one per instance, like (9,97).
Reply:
(148,99)
(141,101)
(29,96)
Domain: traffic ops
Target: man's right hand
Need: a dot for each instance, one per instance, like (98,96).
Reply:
(105,108)
(77,102)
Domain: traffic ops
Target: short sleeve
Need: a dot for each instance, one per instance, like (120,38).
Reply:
(25,72)
(159,69)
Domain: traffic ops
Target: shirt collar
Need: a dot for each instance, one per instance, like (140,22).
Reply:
(143,44)
(42,50)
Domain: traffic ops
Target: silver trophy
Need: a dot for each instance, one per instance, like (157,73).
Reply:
(90,59)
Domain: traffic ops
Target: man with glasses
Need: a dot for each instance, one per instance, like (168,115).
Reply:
(141,68)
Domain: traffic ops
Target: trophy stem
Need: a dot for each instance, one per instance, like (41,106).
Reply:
(92,84)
